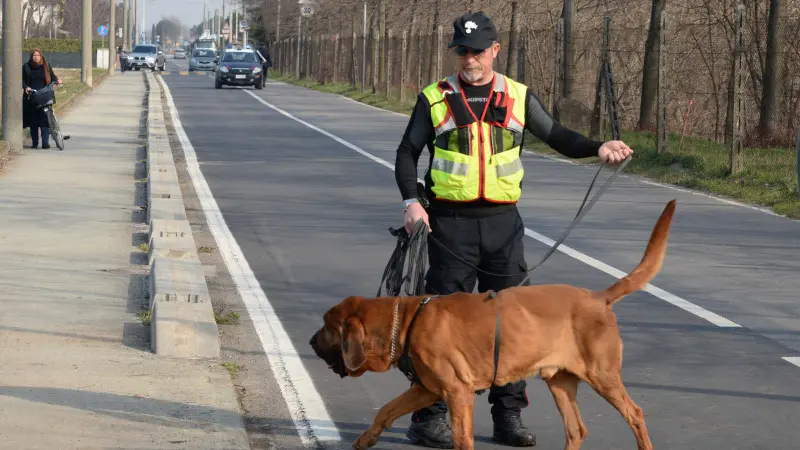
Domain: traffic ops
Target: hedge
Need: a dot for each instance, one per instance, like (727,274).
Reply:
(59,45)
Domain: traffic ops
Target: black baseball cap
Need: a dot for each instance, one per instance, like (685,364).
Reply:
(473,30)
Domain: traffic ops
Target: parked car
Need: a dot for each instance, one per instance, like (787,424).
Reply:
(239,68)
(148,56)
(179,53)
(203,59)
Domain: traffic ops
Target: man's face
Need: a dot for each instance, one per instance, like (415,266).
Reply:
(476,64)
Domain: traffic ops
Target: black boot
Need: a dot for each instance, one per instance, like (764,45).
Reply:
(431,432)
(509,430)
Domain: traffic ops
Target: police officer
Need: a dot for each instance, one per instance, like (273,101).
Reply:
(266,62)
(472,124)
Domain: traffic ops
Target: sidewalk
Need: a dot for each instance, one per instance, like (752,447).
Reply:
(77,372)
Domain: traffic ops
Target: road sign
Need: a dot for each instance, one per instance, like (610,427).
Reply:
(307,10)
(243,24)
(226,32)
(102,30)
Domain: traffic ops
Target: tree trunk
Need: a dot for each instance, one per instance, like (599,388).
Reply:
(650,70)
(767,125)
(569,76)
(513,41)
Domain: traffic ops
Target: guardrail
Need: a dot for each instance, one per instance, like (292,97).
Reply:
(183,323)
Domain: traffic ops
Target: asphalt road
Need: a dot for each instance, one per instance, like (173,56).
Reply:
(311,216)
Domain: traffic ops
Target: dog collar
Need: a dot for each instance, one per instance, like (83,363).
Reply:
(394,335)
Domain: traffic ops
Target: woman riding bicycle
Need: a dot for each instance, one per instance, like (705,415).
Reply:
(36,74)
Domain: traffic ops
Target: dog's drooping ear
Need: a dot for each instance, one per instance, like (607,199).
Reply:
(353,350)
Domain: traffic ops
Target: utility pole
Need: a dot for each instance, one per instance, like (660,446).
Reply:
(86,43)
(125,22)
(112,41)
(12,68)
(278,26)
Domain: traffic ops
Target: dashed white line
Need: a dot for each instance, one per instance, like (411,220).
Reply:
(586,259)
(305,404)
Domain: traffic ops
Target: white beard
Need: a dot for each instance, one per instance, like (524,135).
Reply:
(471,76)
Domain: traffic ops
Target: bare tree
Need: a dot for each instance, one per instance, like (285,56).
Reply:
(768,122)
(650,69)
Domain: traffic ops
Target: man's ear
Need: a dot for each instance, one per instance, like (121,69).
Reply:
(353,337)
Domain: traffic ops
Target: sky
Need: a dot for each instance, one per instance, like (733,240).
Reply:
(190,12)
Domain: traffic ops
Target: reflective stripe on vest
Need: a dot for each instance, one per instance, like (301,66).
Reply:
(478,159)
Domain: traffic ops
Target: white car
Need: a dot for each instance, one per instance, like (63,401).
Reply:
(179,53)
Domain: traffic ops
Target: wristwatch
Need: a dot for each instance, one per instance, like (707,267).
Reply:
(409,202)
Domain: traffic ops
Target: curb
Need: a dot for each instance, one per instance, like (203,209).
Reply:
(183,323)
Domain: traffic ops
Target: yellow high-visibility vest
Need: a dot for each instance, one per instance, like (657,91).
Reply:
(477,159)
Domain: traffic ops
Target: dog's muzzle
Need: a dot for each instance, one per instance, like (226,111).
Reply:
(331,355)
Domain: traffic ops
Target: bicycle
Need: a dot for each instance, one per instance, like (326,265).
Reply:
(44,99)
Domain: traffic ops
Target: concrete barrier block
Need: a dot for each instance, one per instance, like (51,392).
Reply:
(183,322)
(184,330)
(175,280)
(159,154)
(176,248)
(163,189)
(169,228)
(167,172)
(165,208)
(162,182)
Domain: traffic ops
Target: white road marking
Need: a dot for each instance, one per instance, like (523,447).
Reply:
(792,360)
(586,259)
(304,402)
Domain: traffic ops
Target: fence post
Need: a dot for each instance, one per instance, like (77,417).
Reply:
(797,162)
(389,53)
(354,62)
(737,120)
(597,128)
(376,42)
(403,63)
(337,43)
(299,43)
(556,88)
(661,119)
(439,51)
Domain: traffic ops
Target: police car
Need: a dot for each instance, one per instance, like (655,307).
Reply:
(238,67)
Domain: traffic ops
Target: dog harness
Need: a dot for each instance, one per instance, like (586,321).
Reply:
(406,366)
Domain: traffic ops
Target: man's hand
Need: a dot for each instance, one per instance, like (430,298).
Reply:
(614,152)
(415,212)
(27,90)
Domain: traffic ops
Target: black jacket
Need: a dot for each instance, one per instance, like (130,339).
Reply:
(265,53)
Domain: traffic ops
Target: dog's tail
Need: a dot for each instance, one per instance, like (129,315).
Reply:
(649,265)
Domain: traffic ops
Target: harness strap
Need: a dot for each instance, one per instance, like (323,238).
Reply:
(406,366)
(404,362)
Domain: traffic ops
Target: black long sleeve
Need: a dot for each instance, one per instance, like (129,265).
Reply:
(418,134)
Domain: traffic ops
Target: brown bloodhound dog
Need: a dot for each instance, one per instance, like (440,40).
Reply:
(563,333)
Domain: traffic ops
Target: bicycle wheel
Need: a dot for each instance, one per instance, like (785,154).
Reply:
(55,131)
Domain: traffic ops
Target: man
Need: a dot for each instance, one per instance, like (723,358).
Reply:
(266,62)
(472,124)
(122,51)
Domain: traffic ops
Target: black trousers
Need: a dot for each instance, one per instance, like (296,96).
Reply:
(493,244)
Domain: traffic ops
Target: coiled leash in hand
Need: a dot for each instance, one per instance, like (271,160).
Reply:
(408,261)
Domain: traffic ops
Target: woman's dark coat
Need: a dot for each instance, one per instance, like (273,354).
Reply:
(33,77)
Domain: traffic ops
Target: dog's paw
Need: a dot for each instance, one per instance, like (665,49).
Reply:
(365,441)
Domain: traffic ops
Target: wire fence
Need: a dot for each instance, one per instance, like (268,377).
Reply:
(698,63)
